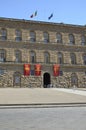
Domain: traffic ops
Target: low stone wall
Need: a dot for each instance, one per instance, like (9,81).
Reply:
(31,82)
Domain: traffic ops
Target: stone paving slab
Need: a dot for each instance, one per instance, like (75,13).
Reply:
(37,96)
(73,90)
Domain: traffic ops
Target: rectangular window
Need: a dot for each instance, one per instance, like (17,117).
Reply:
(1,71)
(18,39)
(33,59)
(73,62)
(47,60)
(85,72)
(32,72)
(2,59)
(32,39)
(60,60)
(84,62)
(3,38)
(17,59)
(17,79)
(60,73)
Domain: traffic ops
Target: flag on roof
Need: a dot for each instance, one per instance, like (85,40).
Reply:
(34,14)
(50,16)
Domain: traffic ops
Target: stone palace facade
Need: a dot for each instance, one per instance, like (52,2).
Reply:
(38,54)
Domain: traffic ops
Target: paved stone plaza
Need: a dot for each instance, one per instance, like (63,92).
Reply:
(41,96)
(63,118)
(42,118)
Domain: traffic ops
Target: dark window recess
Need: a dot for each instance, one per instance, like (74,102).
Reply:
(32,72)
(61,73)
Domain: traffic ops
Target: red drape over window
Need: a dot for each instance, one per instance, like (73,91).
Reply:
(56,69)
(26,69)
(37,69)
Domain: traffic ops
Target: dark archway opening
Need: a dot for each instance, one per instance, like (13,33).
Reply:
(46,80)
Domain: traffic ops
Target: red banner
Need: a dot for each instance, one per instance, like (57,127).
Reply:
(56,69)
(26,69)
(37,69)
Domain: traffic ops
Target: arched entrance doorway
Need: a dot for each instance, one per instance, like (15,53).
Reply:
(46,80)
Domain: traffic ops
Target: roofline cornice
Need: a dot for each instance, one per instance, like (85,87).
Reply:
(41,22)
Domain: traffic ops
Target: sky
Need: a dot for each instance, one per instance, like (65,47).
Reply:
(64,11)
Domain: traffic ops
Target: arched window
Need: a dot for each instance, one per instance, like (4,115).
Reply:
(17,79)
(3,34)
(32,57)
(17,56)
(84,59)
(46,37)
(2,55)
(83,40)
(73,58)
(71,39)
(18,35)
(46,57)
(32,36)
(59,38)
(60,58)
(74,79)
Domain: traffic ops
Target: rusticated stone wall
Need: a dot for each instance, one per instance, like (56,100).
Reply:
(39,47)
(6,80)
